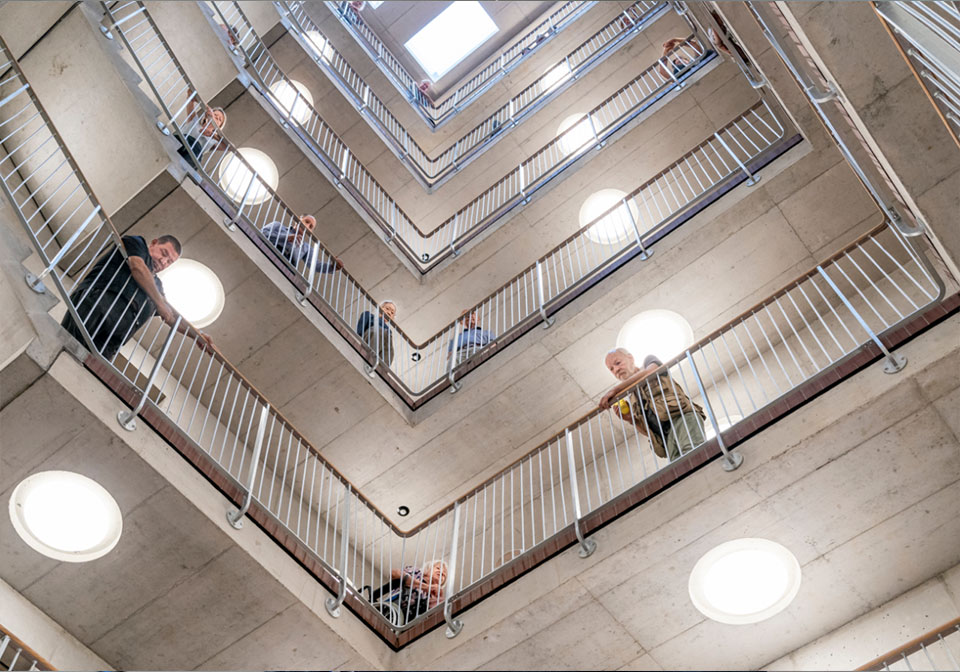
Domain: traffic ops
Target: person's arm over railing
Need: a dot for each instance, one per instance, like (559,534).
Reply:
(607,399)
(143,276)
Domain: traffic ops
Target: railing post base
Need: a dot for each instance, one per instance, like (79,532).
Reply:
(548,322)
(370,370)
(752,180)
(163,128)
(455,387)
(230,223)
(301,298)
(453,628)
(894,363)
(106,32)
(235,518)
(333,606)
(587,547)
(645,254)
(34,283)
(127,420)
(731,461)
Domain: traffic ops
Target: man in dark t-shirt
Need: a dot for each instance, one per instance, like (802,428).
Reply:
(117,297)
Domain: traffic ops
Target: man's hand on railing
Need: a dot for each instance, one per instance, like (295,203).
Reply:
(606,401)
(166,312)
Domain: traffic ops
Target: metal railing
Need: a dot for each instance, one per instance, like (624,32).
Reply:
(733,375)
(15,655)
(427,251)
(428,170)
(435,114)
(419,371)
(927,34)
(938,649)
(836,118)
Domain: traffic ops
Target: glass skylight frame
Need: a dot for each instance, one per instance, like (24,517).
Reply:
(449,25)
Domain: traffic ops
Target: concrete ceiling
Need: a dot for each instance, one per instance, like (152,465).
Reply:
(854,484)
(396,22)
(840,484)
(176,592)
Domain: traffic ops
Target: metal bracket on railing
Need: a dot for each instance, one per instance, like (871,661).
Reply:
(235,516)
(35,282)
(128,418)
(162,127)
(587,546)
(547,321)
(311,274)
(596,136)
(333,603)
(371,370)
(751,178)
(454,626)
(454,385)
(894,360)
(453,235)
(644,253)
(897,222)
(822,96)
(731,461)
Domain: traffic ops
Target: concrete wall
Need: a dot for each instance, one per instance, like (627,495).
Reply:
(93,109)
(912,614)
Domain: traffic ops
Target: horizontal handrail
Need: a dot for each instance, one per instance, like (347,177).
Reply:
(931,33)
(932,645)
(428,251)
(419,371)
(807,329)
(435,114)
(430,171)
(15,655)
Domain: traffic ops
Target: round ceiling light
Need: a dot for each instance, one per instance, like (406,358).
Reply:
(293,98)
(574,132)
(659,332)
(65,516)
(744,581)
(616,226)
(555,75)
(193,290)
(320,45)
(235,177)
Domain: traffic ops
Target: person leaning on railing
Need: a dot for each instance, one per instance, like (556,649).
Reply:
(117,297)
(419,589)
(376,332)
(208,136)
(679,61)
(471,337)
(675,423)
(294,244)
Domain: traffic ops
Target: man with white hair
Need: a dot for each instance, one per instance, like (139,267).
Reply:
(658,407)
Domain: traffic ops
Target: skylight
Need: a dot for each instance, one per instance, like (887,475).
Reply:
(451,37)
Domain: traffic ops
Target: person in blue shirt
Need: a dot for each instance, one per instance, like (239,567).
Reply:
(471,337)
(376,332)
(294,243)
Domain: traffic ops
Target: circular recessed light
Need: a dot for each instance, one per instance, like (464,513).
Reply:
(194,290)
(235,177)
(725,424)
(659,332)
(574,132)
(293,96)
(320,45)
(403,510)
(744,581)
(65,516)
(555,75)
(617,225)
